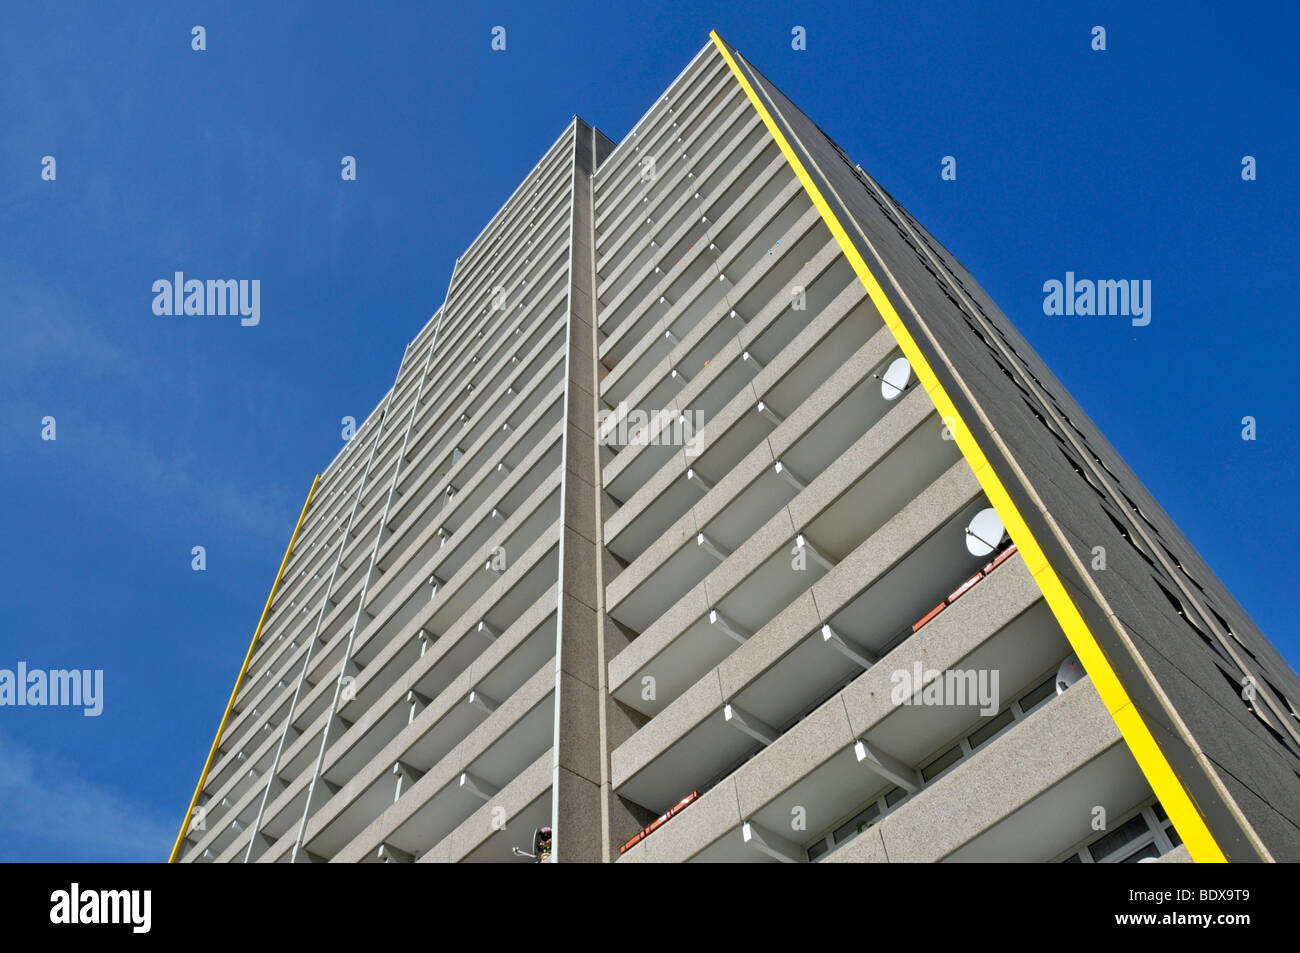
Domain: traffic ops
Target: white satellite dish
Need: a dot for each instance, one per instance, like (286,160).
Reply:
(1071,671)
(985,532)
(896,379)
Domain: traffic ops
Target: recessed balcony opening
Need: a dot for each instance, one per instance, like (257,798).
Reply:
(351,819)
(519,589)
(889,609)
(244,785)
(850,792)
(886,488)
(451,507)
(349,762)
(1146,834)
(452,658)
(511,843)
(300,753)
(265,716)
(448,428)
(444,810)
(457,548)
(826,356)
(693,248)
(656,241)
(946,738)
(1063,815)
(774,582)
(725,451)
(537,373)
(779,204)
(709,194)
(471,582)
(703,72)
(455,719)
(804,679)
(661,140)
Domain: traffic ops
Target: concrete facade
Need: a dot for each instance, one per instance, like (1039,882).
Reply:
(664,516)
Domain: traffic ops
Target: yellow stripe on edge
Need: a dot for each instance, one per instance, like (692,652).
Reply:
(248,657)
(1173,797)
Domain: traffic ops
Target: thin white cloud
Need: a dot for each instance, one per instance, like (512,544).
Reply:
(146,484)
(151,470)
(53,336)
(175,487)
(46,800)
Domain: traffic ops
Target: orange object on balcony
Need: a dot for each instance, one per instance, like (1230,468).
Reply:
(964,588)
(1000,559)
(916,627)
(660,821)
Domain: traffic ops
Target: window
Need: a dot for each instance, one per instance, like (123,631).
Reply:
(1134,507)
(1041,419)
(1178,607)
(1227,628)
(932,770)
(1147,834)
(1238,685)
(982,735)
(1119,527)
(1143,853)
(1011,377)
(1114,842)
(858,824)
(1183,569)
(1281,697)
(979,334)
(990,728)
(1078,468)
(1036,696)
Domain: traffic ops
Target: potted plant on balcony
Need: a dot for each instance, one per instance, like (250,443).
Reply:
(542,845)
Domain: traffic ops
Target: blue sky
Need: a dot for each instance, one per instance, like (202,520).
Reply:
(176,432)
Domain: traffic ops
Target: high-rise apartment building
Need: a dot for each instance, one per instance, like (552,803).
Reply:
(719,515)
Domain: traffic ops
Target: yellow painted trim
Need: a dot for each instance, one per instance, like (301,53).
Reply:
(1160,775)
(248,657)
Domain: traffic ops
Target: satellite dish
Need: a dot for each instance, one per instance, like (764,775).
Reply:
(1071,671)
(985,532)
(896,379)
